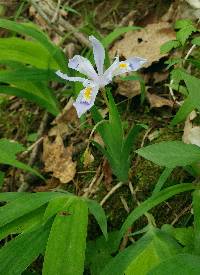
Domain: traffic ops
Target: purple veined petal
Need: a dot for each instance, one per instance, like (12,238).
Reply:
(98,52)
(129,65)
(83,65)
(69,78)
(85,99)
(109,73)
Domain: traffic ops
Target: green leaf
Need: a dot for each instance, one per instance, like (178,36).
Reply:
(146,253)
(184,264)
(196,209)
(24,223)
(185,27)
(29,74)
(8,151)
(26,52)
(171,153)
(22,204)
(184,235)
(99,251)
(97,211)
(162,179)
(32,30)
(65,250)
(161,247)
(193,99)
(19,253)
(116,33)
(152,202)
(169,45)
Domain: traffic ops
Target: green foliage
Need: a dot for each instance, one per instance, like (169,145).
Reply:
(68,239)
(117,147)
(193,99)
(8,151)
(183,264)
(53,224)
(141,257)
(185,28)
(171,153)
(169,45)
(152,202)
(31,63)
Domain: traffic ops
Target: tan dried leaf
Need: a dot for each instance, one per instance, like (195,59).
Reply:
(58,159)
(158,101)
(145,43)
(191,134)
(128,88)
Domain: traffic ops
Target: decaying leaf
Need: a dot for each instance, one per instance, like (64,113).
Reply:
(58,159)
(191,134)
(158,101)
(88,158)
(128,88)
(145,42)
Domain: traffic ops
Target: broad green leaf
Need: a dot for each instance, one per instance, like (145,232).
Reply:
(185,28)
(146,253)
(23,204)
(55,206)
(29,74)
(116,33)
(193,99)
(99,251)
(97,211)
(31,30)
(184,235)
(196,209)
(169,45)
(65,252)
(24,223)
(161,247)
(171,153)
(152,202)
(8,151)
(183,264)
(19,253)
(26,52)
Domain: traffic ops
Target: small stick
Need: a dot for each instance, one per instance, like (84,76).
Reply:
(117,186)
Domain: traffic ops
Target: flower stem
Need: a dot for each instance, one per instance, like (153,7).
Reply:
(103,91)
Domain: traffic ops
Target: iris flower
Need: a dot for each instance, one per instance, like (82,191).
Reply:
(97,80)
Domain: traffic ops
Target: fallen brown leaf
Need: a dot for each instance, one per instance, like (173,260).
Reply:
(158,101)
(191,134)
(58,159)
(145,43)
(128,88)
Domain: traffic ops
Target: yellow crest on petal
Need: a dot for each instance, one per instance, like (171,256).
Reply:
(123,65)
(87,93)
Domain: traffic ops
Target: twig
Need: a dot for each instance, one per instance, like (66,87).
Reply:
(117,186)
(55,16)
(48,11)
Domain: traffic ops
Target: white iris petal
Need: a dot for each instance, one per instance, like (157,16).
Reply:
(99,54)
(95,81)
(82,65)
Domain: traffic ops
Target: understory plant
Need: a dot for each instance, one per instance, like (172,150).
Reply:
(54,224)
